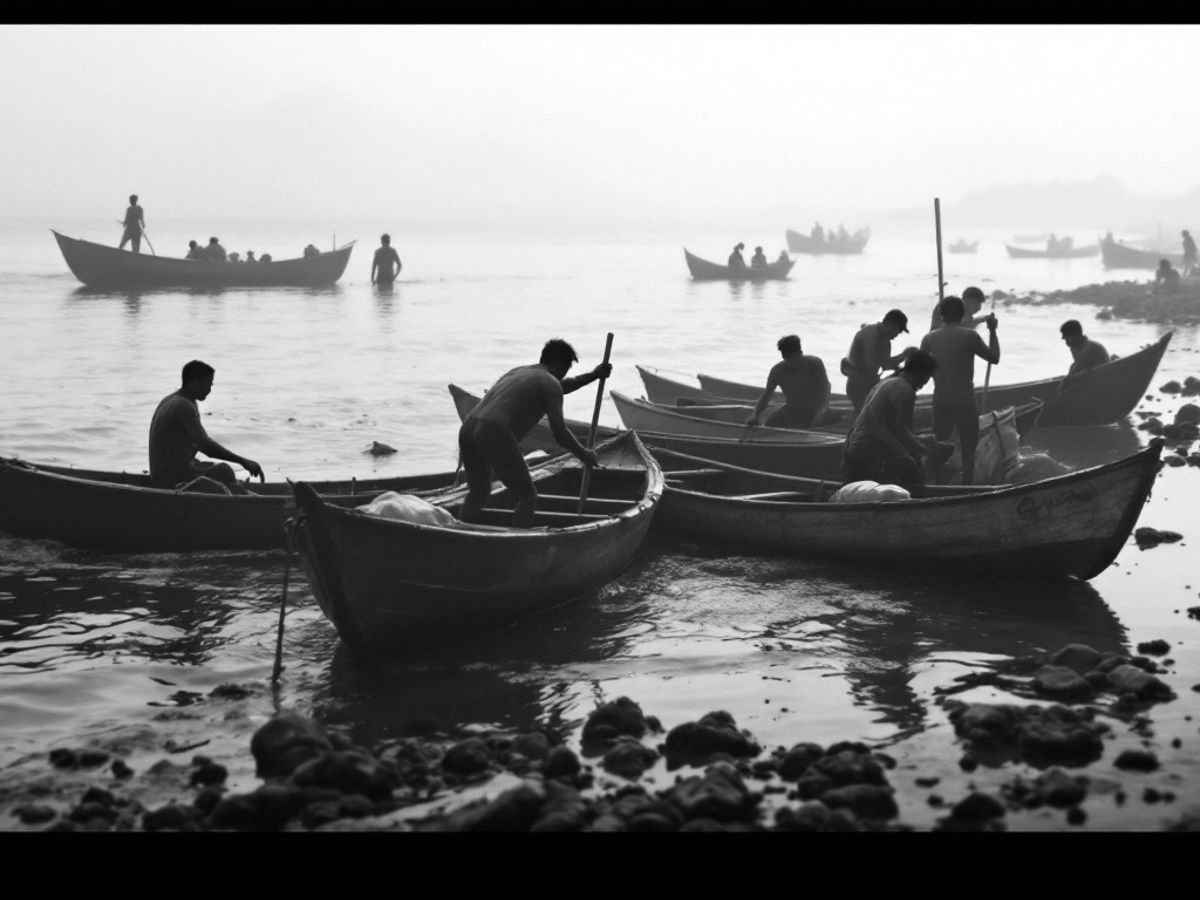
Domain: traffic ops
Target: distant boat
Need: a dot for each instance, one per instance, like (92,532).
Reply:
(1073,253)
(803,243)
(963,247)
(1031,238)
(97,265)
(703,270)
(1120,256)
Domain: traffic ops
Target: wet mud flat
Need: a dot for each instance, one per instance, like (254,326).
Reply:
(632,773)
(1126,300)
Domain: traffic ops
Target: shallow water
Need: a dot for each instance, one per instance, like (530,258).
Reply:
(122,650)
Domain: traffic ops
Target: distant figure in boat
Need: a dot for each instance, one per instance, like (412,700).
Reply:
(735,258)
(135,224)
(759,259)
(311,250)
(1066,243)
(818,233)
(195,251)
(1086,354)
(784,259)
(176,435)
(804,384)
(490,436)
(972,299)
(1166,278)
(250,256)
(386,265)
(1052,243)
(235,257)
(1189,254)
(871,351)
(214,252)
(955,347)
(881,446)
(843,235)
(265,258)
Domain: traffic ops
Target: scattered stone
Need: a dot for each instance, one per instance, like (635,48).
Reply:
(1138,760)
(719,794)
(380,449)
(629,758)
(533,746)
(977,807)
(1079,658)
(35,813)
(610,720)
(868,801)
(285,742)
(230,692)
(1158,647)
(64,758)
(1151,537)
(695,743)
(1076,816)
(357,772)
(171,817)
(561,761)
(1036,734)
(1171,387)
(1174,462)
(1132,679)
(795,762)
(121,769)
(1062,683)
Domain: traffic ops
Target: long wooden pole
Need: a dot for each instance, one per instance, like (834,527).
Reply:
(587,470)
(937,222)
(988,377)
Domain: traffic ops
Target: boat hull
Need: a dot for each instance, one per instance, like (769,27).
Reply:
(803,243)
(703,270)
(1119,256)
(1074,253)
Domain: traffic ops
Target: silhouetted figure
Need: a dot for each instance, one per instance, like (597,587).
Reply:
(955,347)
(735,258)
(235,257)
(195,251)
(265,258)
(871,351)
(311,250)
(1066,243)
(176,435)
(490,437)
(818,233)
(135,224)
(386,264)
(1166,278)
(783,257)
(1086,354)
(1052,243)
(1189,254)
(972,299)
(250,256)
(843,235)
(804,384)
(214,252)
(881,445)
(759,259)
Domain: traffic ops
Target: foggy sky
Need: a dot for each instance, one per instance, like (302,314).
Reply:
(551,126)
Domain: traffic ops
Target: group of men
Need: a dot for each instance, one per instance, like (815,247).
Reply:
(840,236)
(757,261)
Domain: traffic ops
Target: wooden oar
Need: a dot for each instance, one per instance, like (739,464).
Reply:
(587,470)
(988,377)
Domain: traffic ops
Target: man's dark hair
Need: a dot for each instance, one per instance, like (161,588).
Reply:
(789,344)
(212,240)
(1071,327)
(973,293)
(952,309)
(133,198)
(385,238)
(558,350)
(196,369)
(920,363)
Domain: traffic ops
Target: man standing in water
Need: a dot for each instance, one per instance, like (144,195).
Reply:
(176,435)
(386,265)
(871,351)
(1189,254)
(955,347)
(135,224)
(490,437)
(804,384)
(1085,353)
(881,446)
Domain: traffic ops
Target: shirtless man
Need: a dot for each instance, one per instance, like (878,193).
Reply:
(1086,354)
(490,437)
(135,224)
(804,384)
(735,258)
(176,435)
(386,265)
(955,347)
(972,299)
(881,446)
(871,351)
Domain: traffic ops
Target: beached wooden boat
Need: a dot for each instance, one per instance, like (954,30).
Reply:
(107,267)
(692,401)
(703,270)
(803,243)
(1073,253)
(642,415)
(1107,395)
(963,247)
(820,459)
(1070,526)
(1121,256)
(121,512)
(389,586)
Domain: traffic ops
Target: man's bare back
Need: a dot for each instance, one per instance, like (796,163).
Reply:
(520,398)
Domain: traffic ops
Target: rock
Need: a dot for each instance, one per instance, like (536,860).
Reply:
(1041,735)
(562,810)
(561,761)
(378,449)
(850,767)
(350,772)
(1157,647)
(1189,412)
(209,773)
(1130,679)
(812,786)
(64,758)
(90,758)
(35,813)
(629,758)
(467,757)
(1174,461)
(1152,537)
(695,743)
(285,742)
(1193,612)
(1138,760)
(171,817)
(1062,683)
(977,807)
(868,801)
(718,794)
(811,817)
(532,746)
(609,720)
(120,769)
(1057,788)
(230,692)
(797,760)
(514,810)
(1080,658)
(1171,387)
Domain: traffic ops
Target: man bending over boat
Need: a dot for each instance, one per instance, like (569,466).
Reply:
(735,258)
(804,384)
(881,446)
(176,435)
(1085,353)
(871,351)
(386,265)
(955,347)
(135,224)
(490,437)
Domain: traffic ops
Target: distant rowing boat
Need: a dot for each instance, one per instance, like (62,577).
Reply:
(107,267)
(1073,253)
(963,247)
(803,243)
(703,270)
(1121,256)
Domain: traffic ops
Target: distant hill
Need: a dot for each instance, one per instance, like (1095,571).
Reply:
(1103,203)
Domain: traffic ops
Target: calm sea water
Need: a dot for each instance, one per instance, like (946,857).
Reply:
(95,648)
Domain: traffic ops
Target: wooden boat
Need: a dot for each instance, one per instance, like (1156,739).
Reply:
(107,267)
(1121,256)
(820,459)
(390,586)
(963,247)
(693,401)
(1070,526)
(1107,395)
(1073,253)
(803,243)
(121,512)
(703,270)
(642,415)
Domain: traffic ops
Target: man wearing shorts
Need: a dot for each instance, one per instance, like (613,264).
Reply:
(490,437)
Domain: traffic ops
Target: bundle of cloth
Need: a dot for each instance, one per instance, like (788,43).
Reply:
(408,508)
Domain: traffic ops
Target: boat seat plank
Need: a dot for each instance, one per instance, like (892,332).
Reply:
(775,495)
(599,501)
